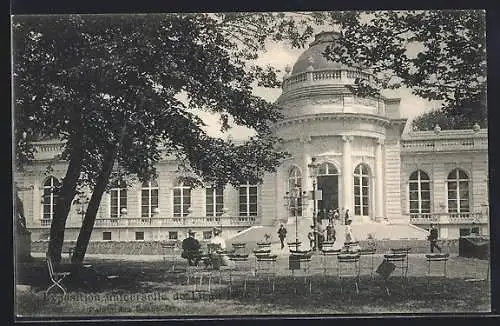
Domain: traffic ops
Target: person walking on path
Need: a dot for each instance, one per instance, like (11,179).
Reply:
(282,235)
(346,217)
(433,238)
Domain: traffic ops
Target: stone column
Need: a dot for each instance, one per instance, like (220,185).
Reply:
(379,183)
(347,178)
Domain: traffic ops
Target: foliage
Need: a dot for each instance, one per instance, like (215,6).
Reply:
(89,75)
(446,120)
(439,55)
(120,90)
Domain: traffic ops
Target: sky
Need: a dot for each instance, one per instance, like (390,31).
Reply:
(279,56)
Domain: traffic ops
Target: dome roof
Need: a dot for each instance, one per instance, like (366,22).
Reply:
(314,55)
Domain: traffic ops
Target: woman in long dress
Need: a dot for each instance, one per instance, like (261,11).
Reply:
(217,239)
(349,237)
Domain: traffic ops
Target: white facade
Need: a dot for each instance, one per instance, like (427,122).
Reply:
(370,163)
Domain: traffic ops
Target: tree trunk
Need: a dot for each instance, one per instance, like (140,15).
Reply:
(63,203)
(91,213)
(95,200)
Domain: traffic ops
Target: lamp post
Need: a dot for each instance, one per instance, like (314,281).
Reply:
(295,202)
(313,167)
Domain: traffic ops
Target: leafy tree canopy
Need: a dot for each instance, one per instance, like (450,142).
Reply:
(439,55)
(103,80)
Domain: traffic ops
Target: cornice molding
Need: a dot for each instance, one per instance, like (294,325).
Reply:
(333,116)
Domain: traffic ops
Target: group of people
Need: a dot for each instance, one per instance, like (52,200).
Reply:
(333,215)
(321,234)
(191,250)
(191,247)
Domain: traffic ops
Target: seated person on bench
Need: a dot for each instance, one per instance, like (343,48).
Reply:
(191,249)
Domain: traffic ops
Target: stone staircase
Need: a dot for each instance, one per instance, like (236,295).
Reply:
(380,231)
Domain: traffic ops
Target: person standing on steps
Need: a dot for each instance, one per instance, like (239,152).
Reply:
(310,236)
(336,216)
(282,235)
(346,217)
(330,232)
(433,238)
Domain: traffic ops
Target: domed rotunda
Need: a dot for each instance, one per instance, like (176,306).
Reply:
(353,141)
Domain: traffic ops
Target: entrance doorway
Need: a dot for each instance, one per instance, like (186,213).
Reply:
(328,182)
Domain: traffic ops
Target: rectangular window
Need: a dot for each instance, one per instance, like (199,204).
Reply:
(248,200)
(207,235)
(173,235)
(182,201)
(464,232)
(214,201)
(118,202)
(106,236)
(139,236)
(149,200)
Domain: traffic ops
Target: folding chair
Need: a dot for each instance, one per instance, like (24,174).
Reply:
(406,251)
(200,273)
(265,267)
(301,260)
(385,270)
(239,248)
(329,255)
(400,261)
(369,253)
(240,270)
(437,268)
(168,251)
(348,267)
(55,277)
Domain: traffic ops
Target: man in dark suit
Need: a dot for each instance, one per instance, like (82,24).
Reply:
(433,237)
(282,235)
(191,249)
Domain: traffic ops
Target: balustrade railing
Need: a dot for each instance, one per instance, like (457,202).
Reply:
(448,218)
(332,74)
(186,221)
(437,145)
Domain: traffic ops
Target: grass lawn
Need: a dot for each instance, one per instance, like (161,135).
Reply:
(149,288)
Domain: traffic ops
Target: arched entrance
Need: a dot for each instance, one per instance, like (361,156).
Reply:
(328,182)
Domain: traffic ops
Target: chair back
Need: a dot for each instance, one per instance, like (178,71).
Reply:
(239,245)
(331,252)
(213,247)
(348,258)
(50,266)
(395,257)
(404,250)
(367,251)
(437,257)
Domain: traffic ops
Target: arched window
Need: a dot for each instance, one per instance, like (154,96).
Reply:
(118,199)
(50,189)
(327,169)
(458,191)
(247,200)
(419,192)
(182,199)
(361,190)
(295,191)
(149,198)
